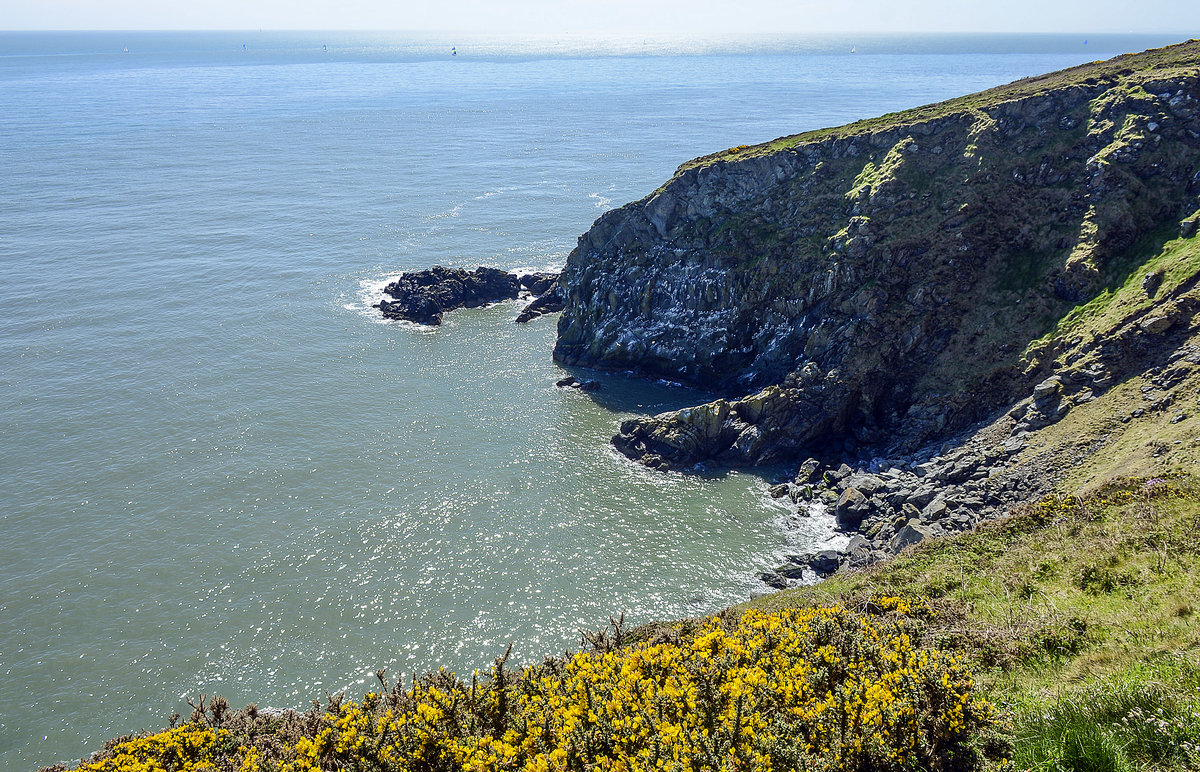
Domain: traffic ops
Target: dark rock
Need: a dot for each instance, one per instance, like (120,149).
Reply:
(571,382)
(778,491)
(922,496)
(857,541)
(852,508)
(774,579)
(934,510)
(822,563)
(547,303)
(1154,325)
(802,493)
(1151,282)
(825,562)
(807,471)
(538,282)
(423,296)
(792,571)
(867,484)
(1048,390)
(912,533)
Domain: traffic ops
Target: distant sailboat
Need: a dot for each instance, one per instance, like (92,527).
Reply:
(853,49)
(453,51)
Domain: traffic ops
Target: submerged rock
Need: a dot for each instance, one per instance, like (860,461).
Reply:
(571,382)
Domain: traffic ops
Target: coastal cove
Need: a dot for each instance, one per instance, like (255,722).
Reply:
(223,472)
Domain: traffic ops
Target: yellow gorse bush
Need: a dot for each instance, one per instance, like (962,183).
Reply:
(188,748)
(818,689)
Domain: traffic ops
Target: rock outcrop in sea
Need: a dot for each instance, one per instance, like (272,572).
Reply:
(424,296)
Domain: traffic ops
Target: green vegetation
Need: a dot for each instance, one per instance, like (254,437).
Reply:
(1078,616)
(1158,62)
(811,688)
(1175,260)
(1063,637)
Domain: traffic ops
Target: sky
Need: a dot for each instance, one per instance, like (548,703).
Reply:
(612,16)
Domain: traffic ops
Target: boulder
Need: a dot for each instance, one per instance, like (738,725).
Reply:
(868,484)
(852,508)
(774,579)
(1048,390)
(825,562)
(571,382)
(807,471)
(934,509)
(1151,282)
(910,534)
(1154,325)
(538,281)
(546,303)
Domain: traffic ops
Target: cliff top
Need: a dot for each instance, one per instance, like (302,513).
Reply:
(1156,62)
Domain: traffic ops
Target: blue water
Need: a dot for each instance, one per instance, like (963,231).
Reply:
(220,471)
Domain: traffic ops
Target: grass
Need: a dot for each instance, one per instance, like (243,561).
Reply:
(1144,717)
(1155,63)
(1176,259)
(1078,616)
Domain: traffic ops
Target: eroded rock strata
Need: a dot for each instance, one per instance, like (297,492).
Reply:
(878,288)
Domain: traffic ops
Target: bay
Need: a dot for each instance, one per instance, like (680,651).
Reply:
(221,472)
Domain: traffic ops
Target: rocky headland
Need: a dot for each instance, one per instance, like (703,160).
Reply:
(917,303)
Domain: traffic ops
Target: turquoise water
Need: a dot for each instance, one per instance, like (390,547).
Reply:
(221,472)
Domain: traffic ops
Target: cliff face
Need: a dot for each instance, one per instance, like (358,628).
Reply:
(882,283)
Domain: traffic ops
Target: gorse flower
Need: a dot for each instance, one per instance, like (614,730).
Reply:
(820,688)
(188,748)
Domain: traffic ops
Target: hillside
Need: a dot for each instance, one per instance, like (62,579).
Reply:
(873,289)
(1077,615)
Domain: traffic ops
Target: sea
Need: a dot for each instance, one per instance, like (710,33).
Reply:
(222,473)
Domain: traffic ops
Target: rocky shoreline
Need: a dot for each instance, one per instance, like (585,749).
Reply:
(913,303)
(423,297)
(889,504)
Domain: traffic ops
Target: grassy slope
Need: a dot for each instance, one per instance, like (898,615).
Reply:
(1166,61)
(1072,605)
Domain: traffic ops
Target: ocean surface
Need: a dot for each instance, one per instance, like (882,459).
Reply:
(220,471)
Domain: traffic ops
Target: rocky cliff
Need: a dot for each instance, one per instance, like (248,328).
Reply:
(883,285)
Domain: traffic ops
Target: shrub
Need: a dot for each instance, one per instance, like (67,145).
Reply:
(818,689)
